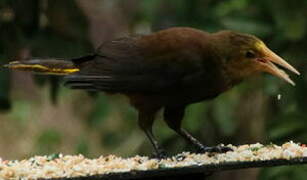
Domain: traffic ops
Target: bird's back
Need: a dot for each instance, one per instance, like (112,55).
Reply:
(172,63)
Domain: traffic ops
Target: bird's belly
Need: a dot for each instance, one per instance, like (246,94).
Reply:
(178,96)
(195,94)
(172,99)
(189,97)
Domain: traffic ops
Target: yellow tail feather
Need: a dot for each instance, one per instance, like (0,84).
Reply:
(50,66)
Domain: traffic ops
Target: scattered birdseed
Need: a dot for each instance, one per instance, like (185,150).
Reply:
(59,165)
(279,96)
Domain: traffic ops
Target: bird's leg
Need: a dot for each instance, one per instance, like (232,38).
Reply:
(200,146)
(173,117)
(159,151)
(146,120)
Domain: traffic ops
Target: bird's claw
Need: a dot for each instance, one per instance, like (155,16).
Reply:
(160,154)
(215,149)
(180,157)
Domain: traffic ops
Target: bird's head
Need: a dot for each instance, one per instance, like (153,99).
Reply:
(247,55)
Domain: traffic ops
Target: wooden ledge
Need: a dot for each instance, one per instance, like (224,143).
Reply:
(190,172)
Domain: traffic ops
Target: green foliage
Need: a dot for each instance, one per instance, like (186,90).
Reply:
(48,141)
(283,173)
(20,112)
(100,111)
(82,147)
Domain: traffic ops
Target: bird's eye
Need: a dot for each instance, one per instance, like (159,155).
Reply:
(250,54)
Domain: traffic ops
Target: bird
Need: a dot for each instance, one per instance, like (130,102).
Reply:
(168,69)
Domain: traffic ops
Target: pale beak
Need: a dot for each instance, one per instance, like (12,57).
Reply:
(268,64)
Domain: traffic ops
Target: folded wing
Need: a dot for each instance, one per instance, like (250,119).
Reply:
(120,66)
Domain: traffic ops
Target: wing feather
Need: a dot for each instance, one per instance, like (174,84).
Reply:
(121,66)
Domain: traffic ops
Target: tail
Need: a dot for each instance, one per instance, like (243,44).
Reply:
(45,66)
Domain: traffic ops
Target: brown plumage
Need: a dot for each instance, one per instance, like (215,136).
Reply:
(168,69)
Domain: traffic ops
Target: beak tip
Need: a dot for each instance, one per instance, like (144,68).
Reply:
(278,60)
(291,82)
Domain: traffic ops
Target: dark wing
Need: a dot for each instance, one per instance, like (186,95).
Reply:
(123,65)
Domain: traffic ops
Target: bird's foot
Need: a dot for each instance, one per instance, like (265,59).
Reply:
(214,149)
(160,154)
(180,157)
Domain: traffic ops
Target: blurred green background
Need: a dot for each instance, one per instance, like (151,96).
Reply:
(39,116)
